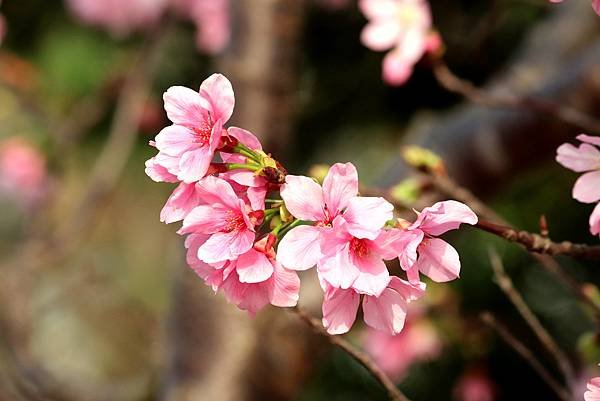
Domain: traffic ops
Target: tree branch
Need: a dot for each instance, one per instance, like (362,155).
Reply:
(394,393)
(538,244)
(506,285)
(526,354)
(448,80)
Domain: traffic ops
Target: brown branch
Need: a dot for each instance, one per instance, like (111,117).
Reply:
(393,392)
(526,354)
(506,285)
(447,79)
(538,244)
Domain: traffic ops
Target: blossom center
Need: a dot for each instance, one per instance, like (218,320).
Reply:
(234,221)
(359,247)
(408,14)
(202,133)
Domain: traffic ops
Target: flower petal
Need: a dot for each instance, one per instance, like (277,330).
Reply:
(245,137)
(218,92)
(438,260)
(339,310)
(373,275)
(194,164)
(184,106)
(157,172)
(303,197)
(380,35)
(175,140)
(387,312)
(285,287)
(594,140)
(226,246)
(299,249)
(366,216)
(444,216)
(595,221)
(213,190)
(579,159)
(254,267)
(204,219)
(183,199)
(587,187)
(340,185)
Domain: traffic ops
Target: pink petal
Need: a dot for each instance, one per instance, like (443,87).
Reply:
(249,297)
(594,140)
(204,219)
(254,267)
(396,69)
(158,172)
(194,164)
(245,137)
(218,92)
(285,287)
(175,140)
(339,310)
(444,216)
(380,35)
(378,9)
(593,393)
(299,249)
(366,216)
(256,197)
(438,260)
(183,199)
(335,265)
(184,106)
(596,7)
(213,190)
(303,197)
(386,312)
(595,221)
(226,246)
(405,245)
(373,275)
(587,187)
(579,159)
(409,291)
(340,185)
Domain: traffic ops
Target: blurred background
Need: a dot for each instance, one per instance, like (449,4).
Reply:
(96,301)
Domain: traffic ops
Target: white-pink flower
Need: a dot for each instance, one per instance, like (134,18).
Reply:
(419,250)
(117,16)
(405,27)
(593,390)
(251,281)
(584,159)
(187,147)
(225,218)
(306,200)
(475,385)
(23,175)
(386,312)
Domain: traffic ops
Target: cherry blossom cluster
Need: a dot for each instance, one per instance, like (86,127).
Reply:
(120,18)
(250,226)
(404,27)
(584,159)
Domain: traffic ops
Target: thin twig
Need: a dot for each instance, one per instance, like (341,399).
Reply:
(536,243)
(393,392)
(452,83)
(506,285)
(526,354)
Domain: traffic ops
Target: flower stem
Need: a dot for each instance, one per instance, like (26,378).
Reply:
(243,166)
(246,151)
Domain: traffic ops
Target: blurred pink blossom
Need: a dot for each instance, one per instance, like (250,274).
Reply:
(419,341)
(595,5)
(23,175)
(584,159)
(593,390)
(119,17)
(475,385)
(405,27)
(212,20)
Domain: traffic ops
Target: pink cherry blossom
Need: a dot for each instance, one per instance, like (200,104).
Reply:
(306,200)
(394,354)
(418,248)
(475,385)
(404,26)
(227,219)
(23,175)
(187,147)
(385,312)
(251,281)
(583,159)
(212,20)
(593,390)
(117,16)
